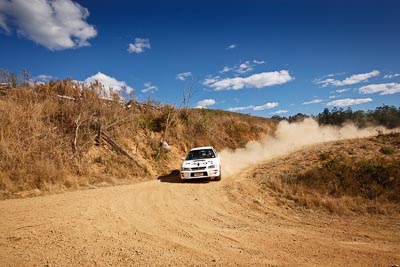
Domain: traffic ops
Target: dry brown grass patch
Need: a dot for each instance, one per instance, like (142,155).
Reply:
(348,177)
(48,136)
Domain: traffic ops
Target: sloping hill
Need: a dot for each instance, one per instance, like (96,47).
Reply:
(63,135)
(239,221)
(348,176)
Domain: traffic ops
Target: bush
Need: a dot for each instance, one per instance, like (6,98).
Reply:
(48,135)
(386,150)
(387,116)
(370,179)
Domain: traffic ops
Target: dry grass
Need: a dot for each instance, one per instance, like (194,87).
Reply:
(48,142)
(353,176)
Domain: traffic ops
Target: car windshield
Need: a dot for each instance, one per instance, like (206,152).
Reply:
(200,154)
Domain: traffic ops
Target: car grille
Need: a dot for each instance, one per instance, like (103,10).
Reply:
(198,168)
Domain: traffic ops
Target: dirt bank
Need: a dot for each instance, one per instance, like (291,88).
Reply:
(167,223)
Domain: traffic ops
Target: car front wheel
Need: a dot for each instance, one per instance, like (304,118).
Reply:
(218,178)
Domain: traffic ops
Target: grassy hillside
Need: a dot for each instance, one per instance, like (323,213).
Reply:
(63,135)
(360,175)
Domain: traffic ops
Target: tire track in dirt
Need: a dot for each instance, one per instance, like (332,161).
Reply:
(167,223)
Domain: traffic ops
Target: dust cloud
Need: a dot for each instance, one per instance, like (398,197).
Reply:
(288,138)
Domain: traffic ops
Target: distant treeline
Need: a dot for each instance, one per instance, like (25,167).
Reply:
(388,116)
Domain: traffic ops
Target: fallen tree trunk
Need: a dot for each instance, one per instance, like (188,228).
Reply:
(118,148)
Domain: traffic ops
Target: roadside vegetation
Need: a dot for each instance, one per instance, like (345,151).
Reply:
(361,176)
(387,116)
(63,135)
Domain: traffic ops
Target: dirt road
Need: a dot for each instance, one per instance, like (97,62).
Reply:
(168,223)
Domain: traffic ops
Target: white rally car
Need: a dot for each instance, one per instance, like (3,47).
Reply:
(201,162)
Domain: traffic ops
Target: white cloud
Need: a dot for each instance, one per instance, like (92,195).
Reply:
(232,46)
(258,80)
(205,103)
(315,101)
(281,111)
(343,90)
(109,83)
(211,79)
(3,22)
(335,74)
(242,68)
(56,24)
(348,102)
(258,62)
(40,79)
(225,69)
(148,87)
(333,96)
(327,76)
(266,106)
(390,76)
(241,108)
(256,108)
(353,79)
(43,78)
(139,45)
(383,89)
(184,75)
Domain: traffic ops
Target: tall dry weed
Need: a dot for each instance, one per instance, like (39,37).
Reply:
(48,135)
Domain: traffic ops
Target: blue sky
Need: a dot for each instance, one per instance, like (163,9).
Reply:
(257,57)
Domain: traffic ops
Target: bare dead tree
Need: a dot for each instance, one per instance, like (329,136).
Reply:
(166,127)
(188,91)
(98,137)
(78,124)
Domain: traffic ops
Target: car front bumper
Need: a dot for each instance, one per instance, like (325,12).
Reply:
(208,173)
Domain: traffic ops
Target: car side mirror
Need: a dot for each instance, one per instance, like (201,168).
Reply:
(183,158)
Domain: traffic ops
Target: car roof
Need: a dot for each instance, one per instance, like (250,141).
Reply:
(202,147)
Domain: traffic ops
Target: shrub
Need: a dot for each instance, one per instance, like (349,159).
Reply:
(48,135)
(386,150)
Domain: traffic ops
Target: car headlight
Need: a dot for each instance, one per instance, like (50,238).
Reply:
(211,167)
(185,169)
